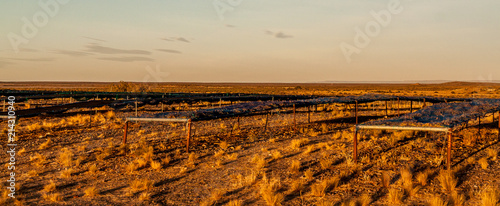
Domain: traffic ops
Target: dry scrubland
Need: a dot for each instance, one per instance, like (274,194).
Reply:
(78,159)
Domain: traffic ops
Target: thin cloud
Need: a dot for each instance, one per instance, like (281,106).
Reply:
(33,59)
(4,63)
(279,35)
(230,26)
(28,50)
(126,59)
(94,39)
(181,39)
(72,53)
(170,51)
(95,48)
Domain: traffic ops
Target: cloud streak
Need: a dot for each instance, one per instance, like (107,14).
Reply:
(170,51)
(33,59)
(72,53)
(126,59)
(178,39)
(279,35)
(96,48)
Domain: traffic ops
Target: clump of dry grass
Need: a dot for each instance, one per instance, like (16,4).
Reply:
(277,155)
(141,162)
(395,196)
(54,197)
(407,178)
(140,185)
(457,199)
(192,159)
(144,196)
(297,143)
(45,145)
(490,197)
(91,192)
(234,203)
(51,187)
(325,163)
(297,185)
(294,166)
(259,161)
(93,169)
(422,177)
(167,160)
(156,165)
(67,173)
(269,192)
(385,179)
(447,181)
(483,162)
(131,167)
(233,156)
(364,200)
(219,153)
(320,189)
(66,157)
(437,201)
(309,149)
(492,153)
(21,151)
(309,174)
(223,145)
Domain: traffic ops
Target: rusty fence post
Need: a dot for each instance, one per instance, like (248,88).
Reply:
(267,119)
(294,120)
(309,114)
(448,160)
(125,132)
(386,108)
(356,111)
(188,135)
(411,106)
(399,107)
(498,125)
(238,122)
(425,104)
(355,149)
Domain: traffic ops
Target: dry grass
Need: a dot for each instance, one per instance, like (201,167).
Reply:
(216,195)
(294,166)
(223,145)
(277,155)
(492,153)
(167,160)
(67,173)
(422,177)
(320,189)
(325,163)
(364,200)
(259,161)
(269,192)
(192,159)
(483,162)
(93,169)
(395,196)
(309,174)
(297,185)
(219,153)
(234,203)
(233,156)
(457,199)
(21,151)
(490,197)
(447,181)
(131,167)
(297,143)
(437,201)
(66,157)
(91,192)
(51,187)
(45,145)
(144,196)
(385,179)
(309,149)
(156,165)
(54,197)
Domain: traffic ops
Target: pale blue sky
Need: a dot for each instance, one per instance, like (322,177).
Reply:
(256,41)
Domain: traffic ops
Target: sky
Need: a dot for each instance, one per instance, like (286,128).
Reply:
(249,40)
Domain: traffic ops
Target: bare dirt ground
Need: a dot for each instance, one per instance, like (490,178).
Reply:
(78,159)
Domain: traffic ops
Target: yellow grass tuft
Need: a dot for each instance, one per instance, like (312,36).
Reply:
(269,192)
(325,163)
(422,177)
(91,192)
(385,179)
(297,185)
(309,174)
(437,201)
(277,155)
(167,160)
(320,189)
(51,187)
(45,145)
(93,169)
(145,196)
(490,197)
(67,173)
(395,196)
(297,143)
(156,165)
(483,162)
(21,152)
(219,153)
(66,157)
(131,167)
(54,197)
(234,203)
(447,181)
(233,156)
(492,153)
(294,166)
(309,149)
(223,145)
